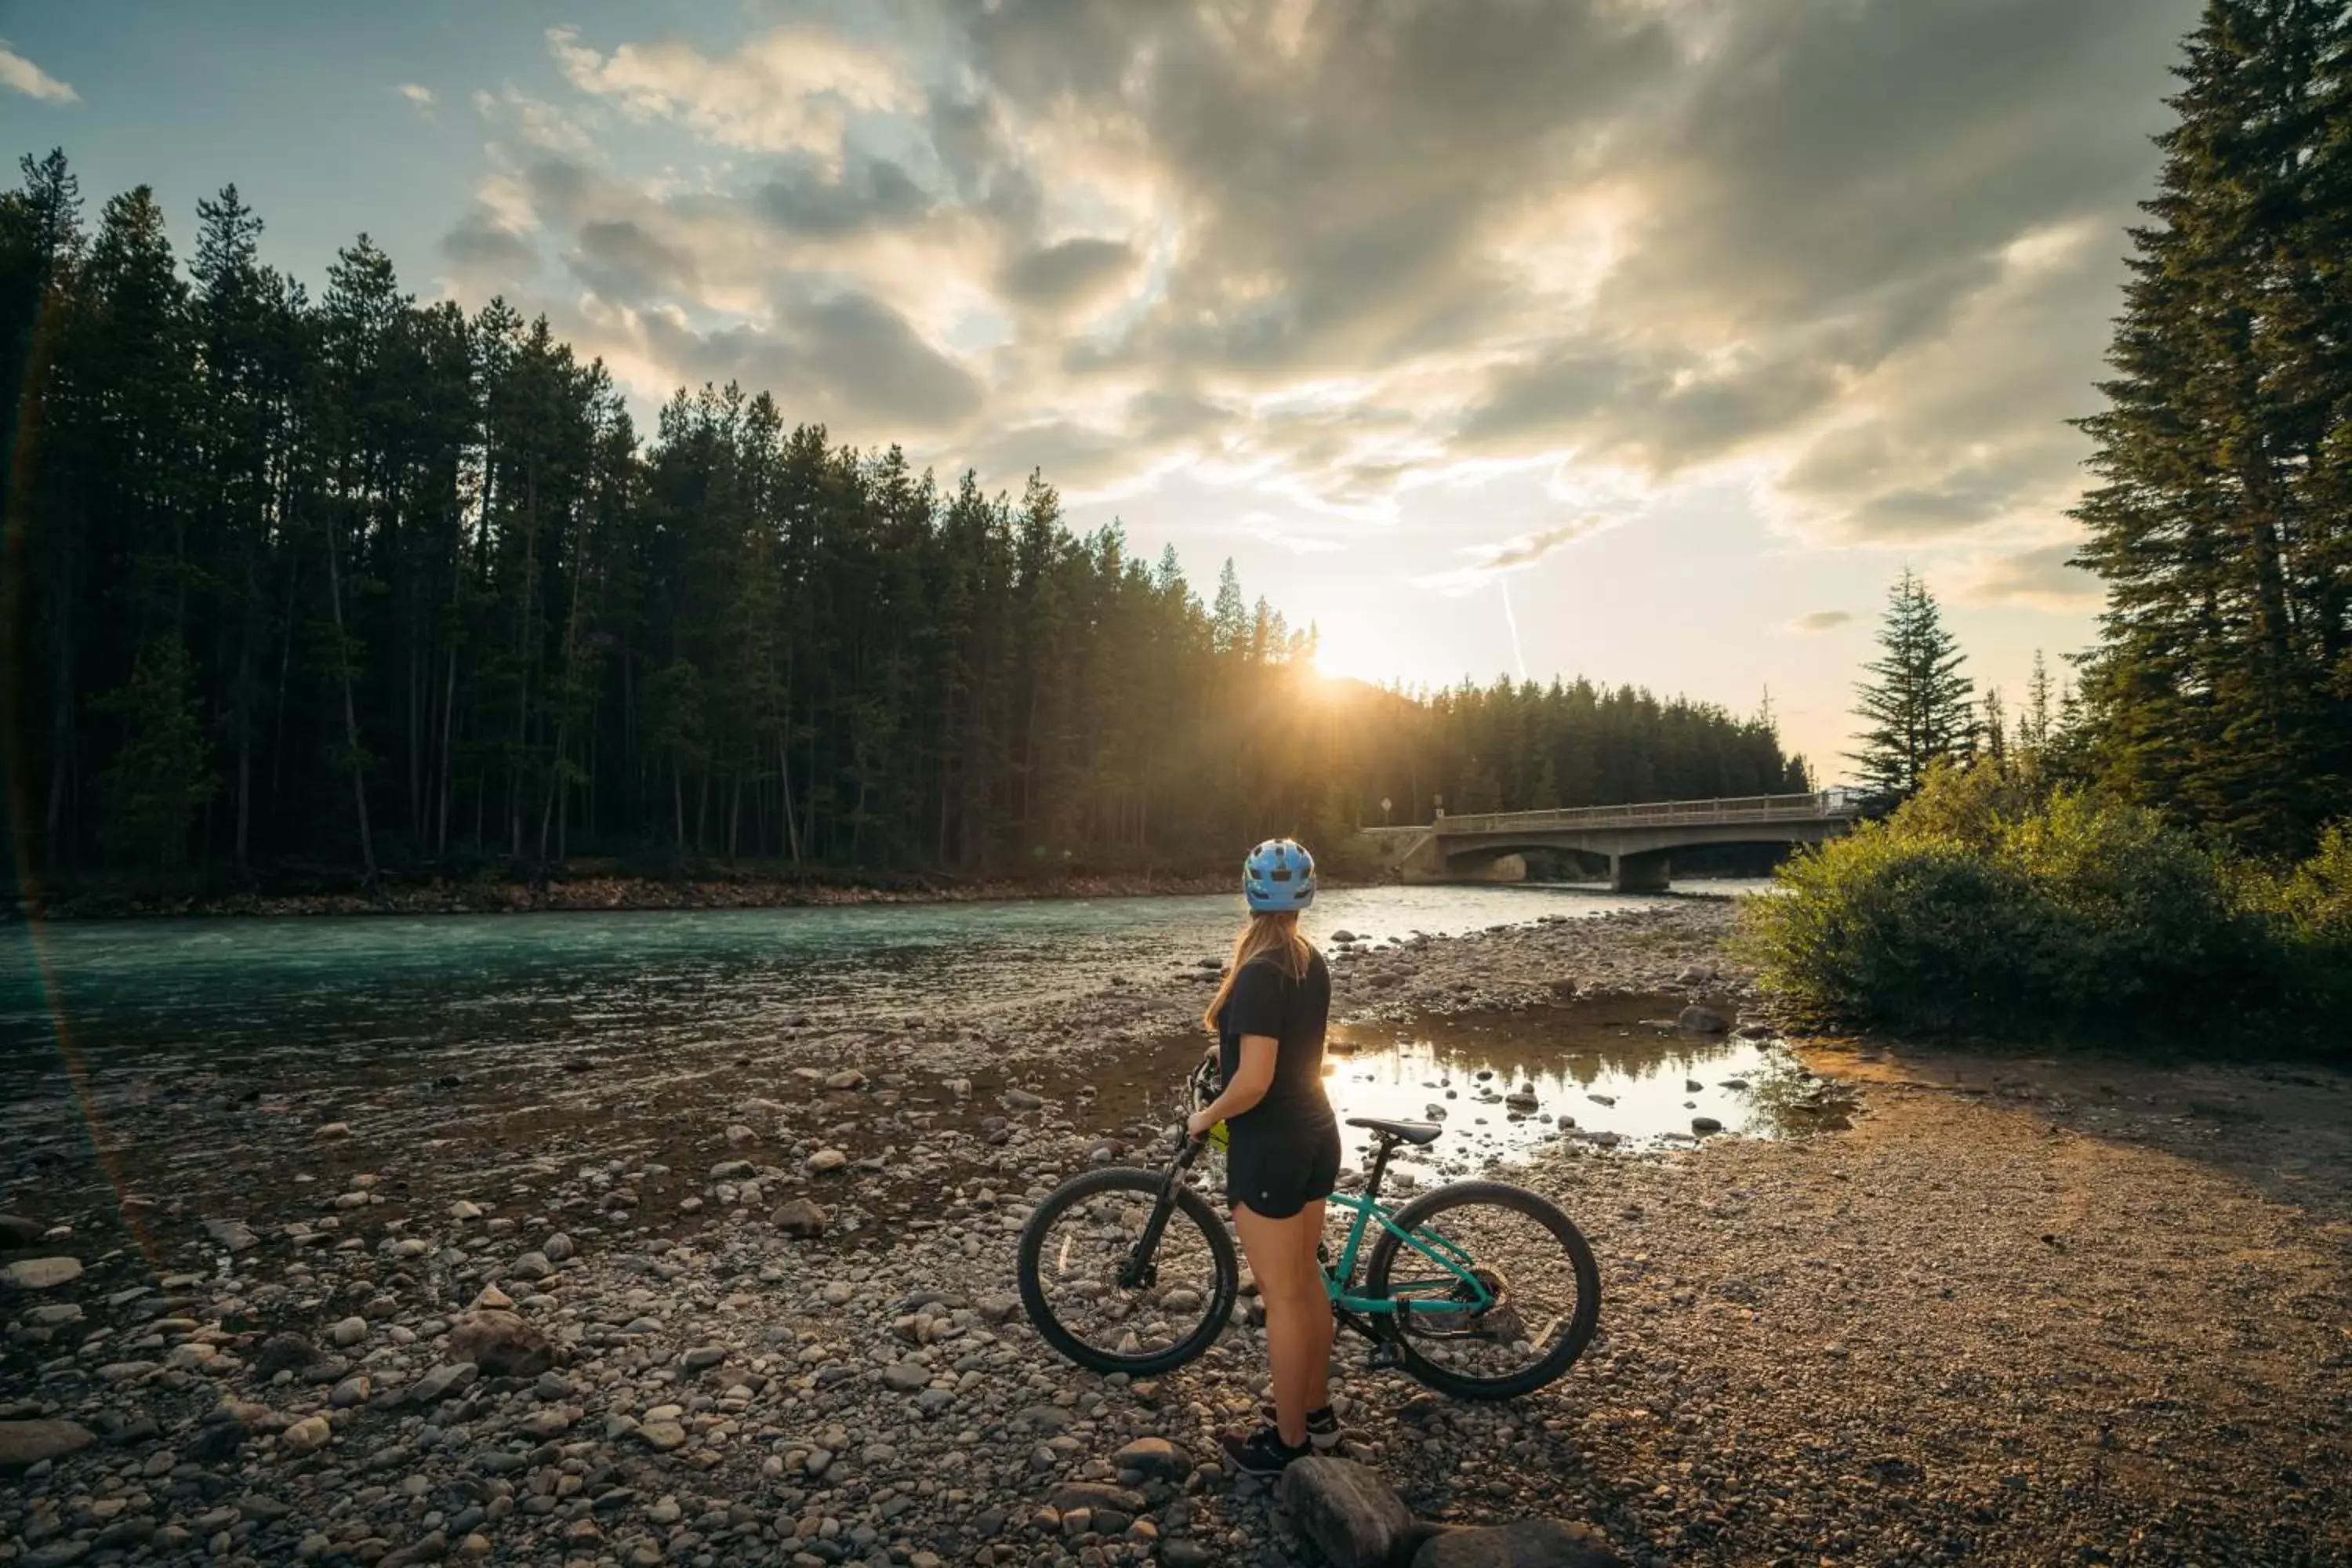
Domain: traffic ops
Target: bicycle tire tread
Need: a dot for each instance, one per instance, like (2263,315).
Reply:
(1143,1183)
(1463,1195)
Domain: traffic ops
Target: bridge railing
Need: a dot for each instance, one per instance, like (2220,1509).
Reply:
(1829,804)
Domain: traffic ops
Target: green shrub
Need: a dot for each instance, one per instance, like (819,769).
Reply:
(1983,909)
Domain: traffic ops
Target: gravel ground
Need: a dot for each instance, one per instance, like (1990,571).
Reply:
(2018,1312)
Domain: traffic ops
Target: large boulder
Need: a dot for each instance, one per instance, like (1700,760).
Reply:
(1702,1020)
(1353,1516)
(500,1344)
(24,1442)
(1523,1543)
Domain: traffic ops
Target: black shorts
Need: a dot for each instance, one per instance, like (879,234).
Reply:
(1278,1161)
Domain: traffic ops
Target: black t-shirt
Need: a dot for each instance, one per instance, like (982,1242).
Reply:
(1265,1001)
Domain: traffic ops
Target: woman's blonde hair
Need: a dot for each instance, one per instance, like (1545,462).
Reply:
(1271,934)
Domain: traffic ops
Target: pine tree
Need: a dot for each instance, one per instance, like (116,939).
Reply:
(1918,710)
(159,773)
(2220,688)
(1234,625)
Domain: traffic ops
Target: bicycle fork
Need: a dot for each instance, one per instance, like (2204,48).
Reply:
(1140,1273)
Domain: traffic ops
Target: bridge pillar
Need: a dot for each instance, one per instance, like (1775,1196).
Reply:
(1650,873)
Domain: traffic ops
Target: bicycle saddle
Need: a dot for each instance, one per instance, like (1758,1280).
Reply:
(1411,1131)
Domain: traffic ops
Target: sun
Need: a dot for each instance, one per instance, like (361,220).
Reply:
(1351,652)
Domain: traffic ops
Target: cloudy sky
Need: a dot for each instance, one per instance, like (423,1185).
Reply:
(1645,339)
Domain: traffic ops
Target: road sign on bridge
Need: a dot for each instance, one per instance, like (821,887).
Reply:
(1636,842)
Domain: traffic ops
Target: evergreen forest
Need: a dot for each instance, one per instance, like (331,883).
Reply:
(348,586)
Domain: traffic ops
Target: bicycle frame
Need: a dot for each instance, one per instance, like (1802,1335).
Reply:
(1374,1316)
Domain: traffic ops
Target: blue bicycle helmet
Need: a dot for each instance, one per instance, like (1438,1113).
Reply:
(1278,877)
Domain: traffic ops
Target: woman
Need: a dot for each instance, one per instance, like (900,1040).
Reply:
(1282,1157)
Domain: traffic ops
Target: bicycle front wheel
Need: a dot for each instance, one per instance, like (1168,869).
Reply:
(1496,1293)
(1095,1295)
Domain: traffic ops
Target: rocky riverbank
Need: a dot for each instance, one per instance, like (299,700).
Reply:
(588,888)
(759,1308)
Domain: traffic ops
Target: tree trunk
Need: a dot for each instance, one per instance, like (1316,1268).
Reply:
(285,668)
(449,749)
(351,713)
(785,767)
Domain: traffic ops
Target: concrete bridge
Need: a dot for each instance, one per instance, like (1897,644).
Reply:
(1634,843)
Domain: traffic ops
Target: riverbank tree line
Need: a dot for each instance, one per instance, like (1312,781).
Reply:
(2165,856)
(363,585)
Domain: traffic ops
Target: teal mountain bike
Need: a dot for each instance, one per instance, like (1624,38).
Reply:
(1479,1290)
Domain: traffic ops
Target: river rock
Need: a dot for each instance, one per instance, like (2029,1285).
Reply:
(44,1273)
(532,1265)
(349,1333)
(284,1353)
(307,1436)
(906,1376)
(662,1436)
(502,1344)
(1523,1543)
(705,1356)
(442,1382)
(1348,1511)
(1706,1125)
(232,1234)
(26,1443)
(220,1439)
(825,1161)
(16,1231)
(847,1078)
(802,1218)
(1702,1020)
(1156,1458)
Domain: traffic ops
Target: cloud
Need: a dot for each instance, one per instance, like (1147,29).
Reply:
(487,249)
(1299,544)
(21,75)
(844,358)
(794,88)
(417,94)
(1059,277)
(1860,258)
(625,263)
(804,199)
(1820,621)
(1511,554)
(2036,578)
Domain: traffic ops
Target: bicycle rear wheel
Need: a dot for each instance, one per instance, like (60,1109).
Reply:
(1534,1306)
(1079,1250)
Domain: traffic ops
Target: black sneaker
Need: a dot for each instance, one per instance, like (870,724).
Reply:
(1263,1453)
(1322,1426)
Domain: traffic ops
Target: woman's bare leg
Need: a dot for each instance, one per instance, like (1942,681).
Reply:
(1281,1254)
